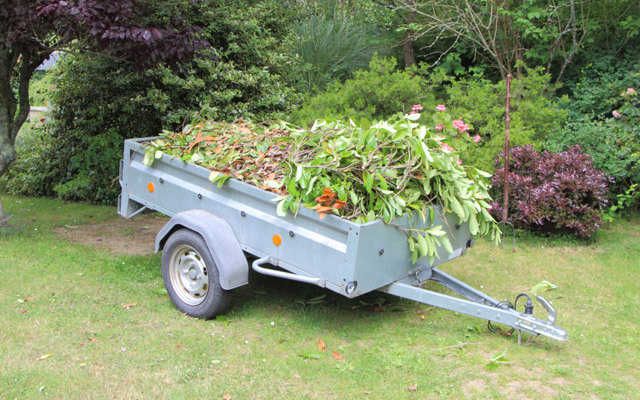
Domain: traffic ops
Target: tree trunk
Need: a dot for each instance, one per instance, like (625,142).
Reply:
(407,42)
(13,112)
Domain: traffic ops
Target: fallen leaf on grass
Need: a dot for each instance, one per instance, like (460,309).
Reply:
(130,305)
(310,355)
(321,345)
(45,356)
(296,376)
(227,396)
(23,311)
(413,388)
(542,286)
(337,356)
(497,360)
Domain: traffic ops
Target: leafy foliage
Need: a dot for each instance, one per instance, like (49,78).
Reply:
(100,102)
(36,166)
(30,30)
(481,103)
(331,48)
(383,90)
(553,192)
(384,169)
(604,118)
(376,93)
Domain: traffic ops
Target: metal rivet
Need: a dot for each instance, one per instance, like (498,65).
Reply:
(457,226)
(243,214)
(161,180)
(381,252)
(199,196)
(291,234)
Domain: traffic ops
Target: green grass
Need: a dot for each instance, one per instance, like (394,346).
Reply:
(266,347)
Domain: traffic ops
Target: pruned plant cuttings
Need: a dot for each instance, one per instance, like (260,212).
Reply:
(360,172)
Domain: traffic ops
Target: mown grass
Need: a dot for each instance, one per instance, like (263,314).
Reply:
(66,333)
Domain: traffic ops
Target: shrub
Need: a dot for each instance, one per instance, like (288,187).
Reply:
(612,138)
(37,163)
(553,192)
(481,103)
(100,102)
(331,48)
(384,90)
(376,93)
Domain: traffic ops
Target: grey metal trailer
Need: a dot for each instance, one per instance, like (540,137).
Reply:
(211,230)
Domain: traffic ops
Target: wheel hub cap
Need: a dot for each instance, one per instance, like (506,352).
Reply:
(189,276)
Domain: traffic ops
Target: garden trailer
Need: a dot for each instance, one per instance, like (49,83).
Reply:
(212,230)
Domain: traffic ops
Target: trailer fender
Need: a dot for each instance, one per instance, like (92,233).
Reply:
(221,240)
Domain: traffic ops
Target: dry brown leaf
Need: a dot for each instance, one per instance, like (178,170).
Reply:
(337,356)
(296,376)
(226,396)
(130,305)
(321,345)
(413,388)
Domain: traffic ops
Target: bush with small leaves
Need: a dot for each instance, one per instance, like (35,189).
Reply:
(552,192)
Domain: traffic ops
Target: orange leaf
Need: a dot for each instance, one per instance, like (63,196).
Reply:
(130,305)
(339,204)
(323,199)
(337,356)
(322,214)
(327,191)
(321,345)
(320,208)
(226,396)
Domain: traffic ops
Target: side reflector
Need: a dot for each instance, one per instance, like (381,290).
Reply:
(277,240)
(151,187)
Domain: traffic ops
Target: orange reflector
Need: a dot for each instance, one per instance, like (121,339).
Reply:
(151,187)
(277,240)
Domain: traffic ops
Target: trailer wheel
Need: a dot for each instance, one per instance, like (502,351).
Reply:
(191,276)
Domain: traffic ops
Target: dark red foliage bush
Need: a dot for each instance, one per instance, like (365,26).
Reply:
(552,192)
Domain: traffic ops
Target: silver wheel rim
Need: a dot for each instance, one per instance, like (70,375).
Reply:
(189,275)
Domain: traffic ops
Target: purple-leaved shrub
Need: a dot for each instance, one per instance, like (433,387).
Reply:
(552,192)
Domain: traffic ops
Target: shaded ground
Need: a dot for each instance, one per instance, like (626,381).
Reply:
(134,236)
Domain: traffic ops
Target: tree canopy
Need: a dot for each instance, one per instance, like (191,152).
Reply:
(30,30)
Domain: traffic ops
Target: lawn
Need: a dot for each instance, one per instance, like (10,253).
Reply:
(82,322)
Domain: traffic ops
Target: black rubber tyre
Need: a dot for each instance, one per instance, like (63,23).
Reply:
(191,276)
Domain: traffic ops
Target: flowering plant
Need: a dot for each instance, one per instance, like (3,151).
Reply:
(455,133)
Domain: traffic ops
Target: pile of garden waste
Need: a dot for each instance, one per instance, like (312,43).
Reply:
(360,172)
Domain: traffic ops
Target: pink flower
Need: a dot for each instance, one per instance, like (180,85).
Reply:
(631,91)
(476,138)
(439,127)
(446,147)
(616,114)
(459,125)
(441,107)
(416,107)
(459,162)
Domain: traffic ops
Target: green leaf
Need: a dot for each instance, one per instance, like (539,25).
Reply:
(149,156)
(281,208)
(299,172)
(311,355)
(542,286)
(473,224)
